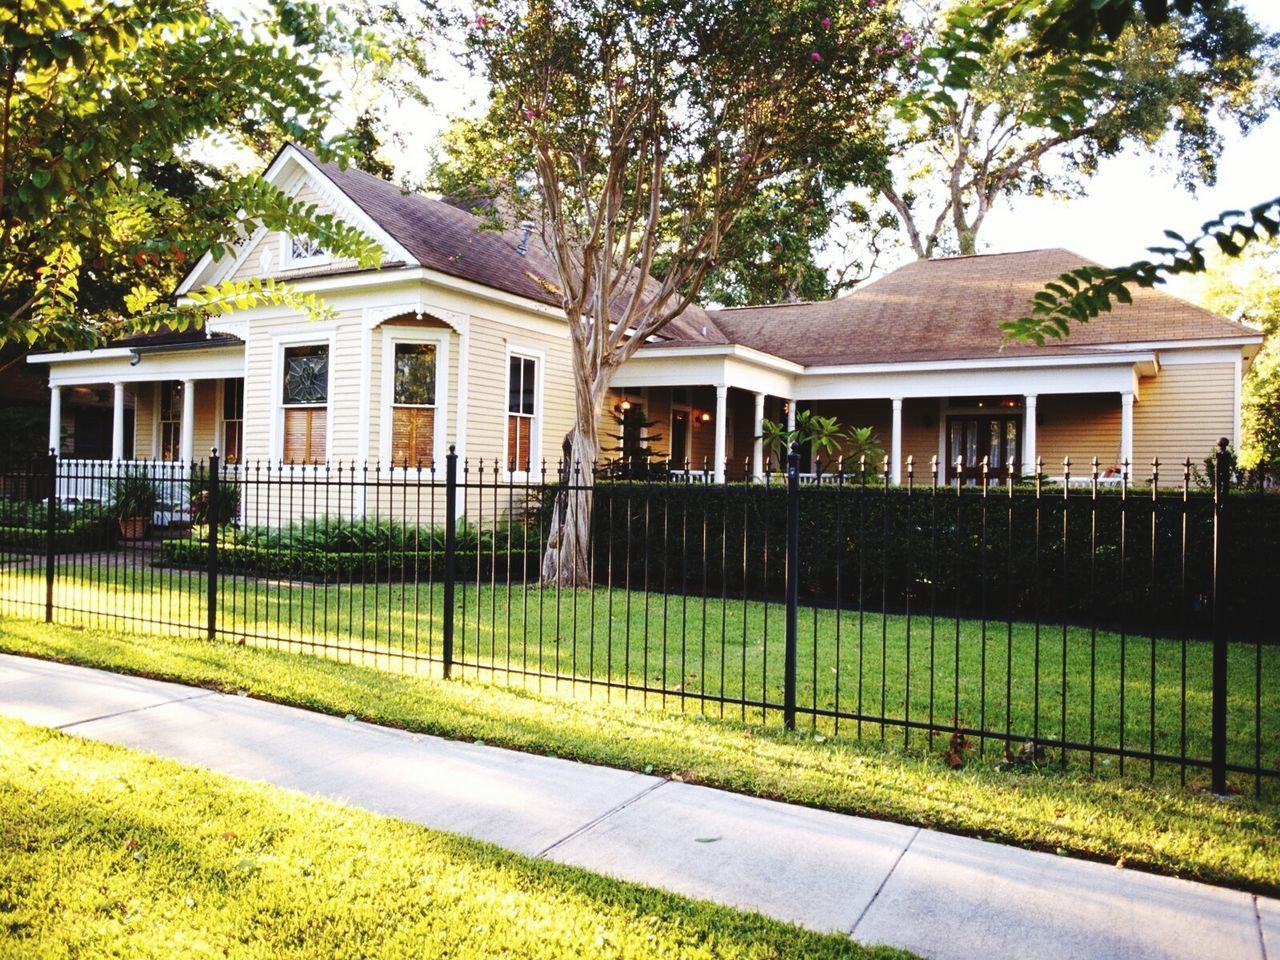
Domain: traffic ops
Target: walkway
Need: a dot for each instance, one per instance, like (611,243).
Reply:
(940,895)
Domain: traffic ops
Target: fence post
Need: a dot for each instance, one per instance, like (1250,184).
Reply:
(51,533)
(793,586)
(212,519)
(450,552)
(1221,490)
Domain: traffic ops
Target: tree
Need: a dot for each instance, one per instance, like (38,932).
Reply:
(104,110)
(994,110)
(649,126)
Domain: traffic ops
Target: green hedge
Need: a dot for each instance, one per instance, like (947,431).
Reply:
(965,555)
(88,533)
(295,562)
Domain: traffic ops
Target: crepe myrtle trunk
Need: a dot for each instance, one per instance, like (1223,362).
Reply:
(566,561)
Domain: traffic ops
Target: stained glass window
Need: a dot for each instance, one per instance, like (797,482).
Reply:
(306,375)
(304,248)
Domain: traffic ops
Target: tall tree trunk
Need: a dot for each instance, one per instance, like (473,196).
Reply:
(566,561)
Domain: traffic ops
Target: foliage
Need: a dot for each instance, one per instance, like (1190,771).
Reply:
(106,110)
(24,432)
(648,127)
(134,492)
(994,111)
(634,455)
(826,437)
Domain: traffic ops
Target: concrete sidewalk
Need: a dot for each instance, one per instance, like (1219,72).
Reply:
(940,895)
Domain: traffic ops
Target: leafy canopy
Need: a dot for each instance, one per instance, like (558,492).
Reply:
(103,110)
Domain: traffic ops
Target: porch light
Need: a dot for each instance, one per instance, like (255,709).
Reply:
(624,406)
(706,417)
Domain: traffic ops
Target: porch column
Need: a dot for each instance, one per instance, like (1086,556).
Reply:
(1126,428)
(791,414)
(1029,437)
(117,421)
(188,447)
(55,419)
(722,395)
(757,445)
(895,443)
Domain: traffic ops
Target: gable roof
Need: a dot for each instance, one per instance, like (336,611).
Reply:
(950,309)
(450,240)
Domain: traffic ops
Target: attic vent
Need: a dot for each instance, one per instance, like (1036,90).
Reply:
(526,228)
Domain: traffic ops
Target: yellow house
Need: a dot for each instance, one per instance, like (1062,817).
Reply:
(457,339)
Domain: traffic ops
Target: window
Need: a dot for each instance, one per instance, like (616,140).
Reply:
(170,419)
(233,420)
(413,405)
(303,249)
(522,382)
(305,396)
(972,437)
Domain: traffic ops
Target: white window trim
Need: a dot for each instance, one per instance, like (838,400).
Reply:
(313,338)
(289,262)
(391,336)
(539,358)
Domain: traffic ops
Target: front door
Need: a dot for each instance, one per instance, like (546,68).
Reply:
(970,437)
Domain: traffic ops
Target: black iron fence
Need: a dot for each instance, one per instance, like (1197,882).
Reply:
(1125,626)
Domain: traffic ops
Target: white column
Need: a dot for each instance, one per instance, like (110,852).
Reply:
(895,443)
(188,444)
(55,419)
(757,445)
(117,421)
(791,414)
(1126,428)
(722,395)
(1029,437)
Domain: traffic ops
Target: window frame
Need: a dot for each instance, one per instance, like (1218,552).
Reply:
(321,337)
(539,358)
(289,262)
(161,421)
(223,421)
(391,336)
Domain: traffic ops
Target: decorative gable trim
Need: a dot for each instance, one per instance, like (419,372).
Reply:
(287,171)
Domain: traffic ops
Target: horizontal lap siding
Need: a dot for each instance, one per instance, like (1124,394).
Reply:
(1082,427)
(1182,412)
(144,407)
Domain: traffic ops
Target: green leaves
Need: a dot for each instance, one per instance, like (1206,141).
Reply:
(104,203)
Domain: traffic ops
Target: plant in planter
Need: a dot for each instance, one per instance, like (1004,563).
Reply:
(134,498)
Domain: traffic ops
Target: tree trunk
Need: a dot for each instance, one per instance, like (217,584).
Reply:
(566,561)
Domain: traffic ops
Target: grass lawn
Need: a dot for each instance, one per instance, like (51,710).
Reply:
(1180,831)
(107,853)
(1076,684)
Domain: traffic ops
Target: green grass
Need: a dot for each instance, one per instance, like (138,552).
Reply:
(1047,683)
(1166,829)
(108,853)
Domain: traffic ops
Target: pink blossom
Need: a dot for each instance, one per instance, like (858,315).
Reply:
(815,56)
(826,23)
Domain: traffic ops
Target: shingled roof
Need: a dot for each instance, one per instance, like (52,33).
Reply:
(950,309)
(452,241)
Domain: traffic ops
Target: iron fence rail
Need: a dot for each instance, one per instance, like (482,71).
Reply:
(1123,629)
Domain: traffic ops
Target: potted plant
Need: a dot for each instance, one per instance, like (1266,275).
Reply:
(134,498)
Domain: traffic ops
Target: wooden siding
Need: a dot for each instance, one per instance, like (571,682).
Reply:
(1182,412)
(1082,427)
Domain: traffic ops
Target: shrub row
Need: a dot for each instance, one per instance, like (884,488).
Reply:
(1113,562)
(341,566)
(88,533)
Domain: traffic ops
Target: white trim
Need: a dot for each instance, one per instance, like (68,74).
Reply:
(986,363)
(462,411)
(390,337)
(289,262)
(751,354)
(313,336)
(1235,404)
(104,353)
(366,395)
(539,358)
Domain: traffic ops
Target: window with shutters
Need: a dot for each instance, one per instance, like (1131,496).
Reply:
(522,411)
(305,398)
(413,405)
(170,419)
